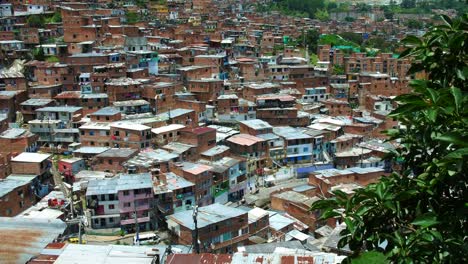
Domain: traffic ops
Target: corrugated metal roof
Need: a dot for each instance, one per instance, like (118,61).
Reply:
(106,111)
(69,109)
(278,222)
(290,133)
(121,182)
(245,139)
(207,215)
(256,124)
(207,258)
(23,238)
(215,150)
(117,152)
(10,183)
(37,101)
(14,133)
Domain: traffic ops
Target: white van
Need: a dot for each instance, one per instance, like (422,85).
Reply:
(145,239)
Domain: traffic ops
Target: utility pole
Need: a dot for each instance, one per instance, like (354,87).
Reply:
(79,231)
(137,227)
(196,245)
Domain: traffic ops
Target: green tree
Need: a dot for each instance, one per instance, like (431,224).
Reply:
(363,7)
(353,37)
(309,39)
(408,4)
(39,54)
(56,18)
(132,17)
(322,15)
(36,21)
(419,213)
(388,12)
(293,6)
(414,24)
(338,69)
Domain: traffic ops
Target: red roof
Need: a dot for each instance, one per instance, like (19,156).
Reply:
(245,139)
(200,258)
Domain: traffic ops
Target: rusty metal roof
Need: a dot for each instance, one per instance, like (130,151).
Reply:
(21,239)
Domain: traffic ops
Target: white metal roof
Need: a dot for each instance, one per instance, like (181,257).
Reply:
(30,157)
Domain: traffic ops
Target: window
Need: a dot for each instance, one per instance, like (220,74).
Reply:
(21,204)
(245,231)
(91,133)
(111,206)
(127,205)
(126,193)
(111,220)
(8,211)
(109,161)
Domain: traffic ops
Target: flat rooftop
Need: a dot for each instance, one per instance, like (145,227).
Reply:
(207,215)
(31,157)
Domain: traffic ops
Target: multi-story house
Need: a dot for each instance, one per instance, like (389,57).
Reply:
(255,127)
(229,179)
(124,201)
(253,149)
(234,109)
(203,138)
(10,103)
(130,135)
(122,89)
(57,125)
(172,194)
(103,203)
(112,160)
(135,194)
(35,164)
(106,114)
(315,94)
(220,228)
(298,144)
(16,194)
(28,107)
(17,140)
(95,134)
(201,175)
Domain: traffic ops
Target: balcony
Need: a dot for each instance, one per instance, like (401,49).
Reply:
(133,208)
(182,196)
(131,198)
(231,241)
(131,221)
(142,196)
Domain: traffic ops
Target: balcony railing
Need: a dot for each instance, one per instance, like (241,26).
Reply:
(133,208)
(132,220)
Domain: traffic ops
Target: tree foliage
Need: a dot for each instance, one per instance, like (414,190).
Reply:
(419,213)
(408,3)
(322,15)
(308,7)
(132,17)
(36,21)
(310,39)
(38,54)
